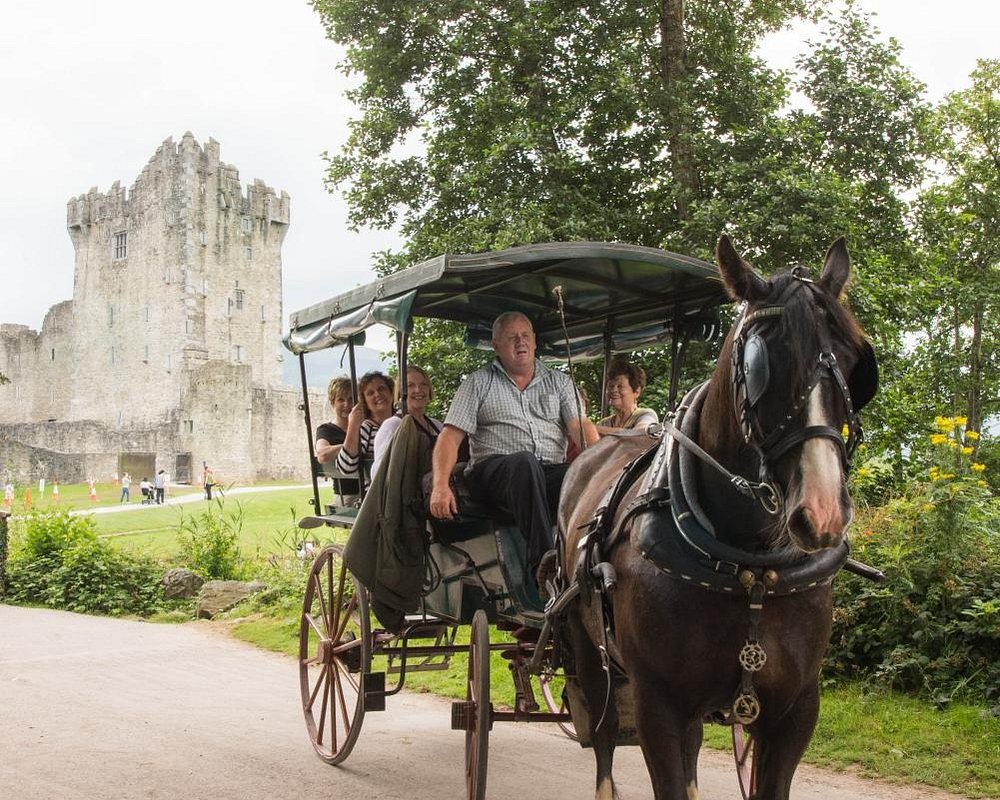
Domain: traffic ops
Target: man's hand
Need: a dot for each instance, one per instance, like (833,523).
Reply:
(443,503)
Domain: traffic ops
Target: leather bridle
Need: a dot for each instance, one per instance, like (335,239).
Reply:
(748,386)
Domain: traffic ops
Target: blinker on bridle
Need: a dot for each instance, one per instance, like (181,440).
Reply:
(750,375)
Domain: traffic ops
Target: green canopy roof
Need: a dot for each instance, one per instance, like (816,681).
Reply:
(637,295)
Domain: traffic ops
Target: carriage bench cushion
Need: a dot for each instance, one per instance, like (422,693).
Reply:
(473,517)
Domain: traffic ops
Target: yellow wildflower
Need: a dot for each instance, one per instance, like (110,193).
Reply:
(928,507)
(946,476)
(977,467)
(945,424)
(938,438)
(960,421)
(966,451)
(981,484)
(972,435)
(864,472)
(934,473)
(845,431)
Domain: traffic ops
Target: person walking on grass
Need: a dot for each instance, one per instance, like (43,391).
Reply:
(126,484)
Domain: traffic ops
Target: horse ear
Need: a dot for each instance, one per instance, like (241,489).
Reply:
(836,268)
(738,276)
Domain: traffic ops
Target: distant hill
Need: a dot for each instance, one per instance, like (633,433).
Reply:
(325,364)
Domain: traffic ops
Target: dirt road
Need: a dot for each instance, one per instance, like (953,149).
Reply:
(102,709)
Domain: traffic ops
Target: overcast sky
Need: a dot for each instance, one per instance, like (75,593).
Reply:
(89,91)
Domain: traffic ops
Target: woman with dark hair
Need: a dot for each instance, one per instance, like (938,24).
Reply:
(419,393)
(625,383)
(372,409)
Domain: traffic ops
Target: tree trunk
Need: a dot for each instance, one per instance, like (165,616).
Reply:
(673,69)
(974,397)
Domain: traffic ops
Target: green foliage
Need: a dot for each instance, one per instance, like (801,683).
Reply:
(209,542)
(934,626)
(59,562)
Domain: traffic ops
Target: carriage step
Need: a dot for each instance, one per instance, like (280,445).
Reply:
(463,715)
(374,684)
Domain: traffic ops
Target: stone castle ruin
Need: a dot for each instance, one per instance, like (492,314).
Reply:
(169,354)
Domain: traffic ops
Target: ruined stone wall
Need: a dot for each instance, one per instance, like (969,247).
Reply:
(280,446)
(72,452)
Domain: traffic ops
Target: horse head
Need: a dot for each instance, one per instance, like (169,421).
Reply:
(799,371)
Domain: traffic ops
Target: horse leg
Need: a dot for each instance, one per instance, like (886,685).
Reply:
(594,684)
(666,744)
(780,744)
(692,746)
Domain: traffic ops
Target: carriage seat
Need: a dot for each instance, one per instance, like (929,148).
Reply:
(346,486)
(510,557)
(473,518)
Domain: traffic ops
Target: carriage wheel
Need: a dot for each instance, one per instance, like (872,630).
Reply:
(334,655)
(477,693)
(746,765)
(556,707)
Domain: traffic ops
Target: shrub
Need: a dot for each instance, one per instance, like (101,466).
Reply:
(934,626)
(210,542)
(60,562)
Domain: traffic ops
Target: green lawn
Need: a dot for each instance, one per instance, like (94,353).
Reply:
(153,529)
(72,496)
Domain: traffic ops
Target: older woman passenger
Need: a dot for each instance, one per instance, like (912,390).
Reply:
(419,393)
(372,409)
(625,384)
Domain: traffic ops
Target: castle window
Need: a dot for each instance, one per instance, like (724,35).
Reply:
(187,426)
(111,316)
(145,313)
(52,357)
(169,362)
(189,326)
(112,356)
(145,354)
(240,295)
(247,225)
(248,252)
(262,317)
(119,245)
(238,353)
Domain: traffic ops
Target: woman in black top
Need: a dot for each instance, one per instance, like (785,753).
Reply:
(330,435)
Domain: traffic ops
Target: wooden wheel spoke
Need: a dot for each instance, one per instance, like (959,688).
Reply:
(316,688)
(346,617)
(322,709)
(322,605)
(312,624)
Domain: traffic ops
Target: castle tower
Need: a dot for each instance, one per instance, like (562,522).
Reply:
(183,269)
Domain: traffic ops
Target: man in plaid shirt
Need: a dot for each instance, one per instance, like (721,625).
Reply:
(517,413)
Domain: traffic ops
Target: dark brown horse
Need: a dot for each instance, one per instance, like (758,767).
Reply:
(725,546)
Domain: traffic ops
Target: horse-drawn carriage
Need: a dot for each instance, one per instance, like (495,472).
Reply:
(591,300)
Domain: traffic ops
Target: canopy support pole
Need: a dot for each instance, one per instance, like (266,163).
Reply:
(313,463)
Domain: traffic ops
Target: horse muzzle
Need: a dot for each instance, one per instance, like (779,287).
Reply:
(814,526)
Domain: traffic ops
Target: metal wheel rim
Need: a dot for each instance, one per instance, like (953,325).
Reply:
(332,692)
(478,691)
(746,765)
(545,684)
